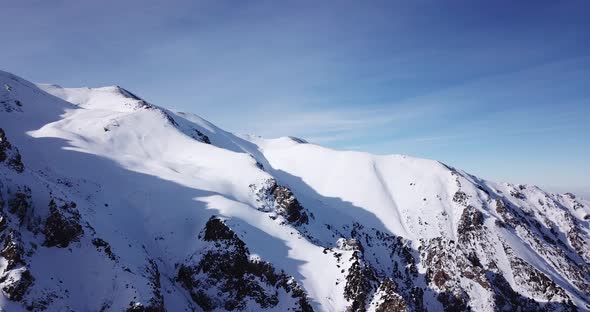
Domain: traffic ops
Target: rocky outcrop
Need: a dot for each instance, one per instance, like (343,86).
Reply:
(368,273)
(16,278)
(446,265)
(389,299)
(62,226)
(5,146)
(225,277)
(20,203)
(9,154)
(12,249)
(460,198)
(156,302)
(200,136)
(16,283)
(102,245)
(471,221)
(537,283)
(530,230)
(360,283)
(288,205)
(280,200)
(141,104)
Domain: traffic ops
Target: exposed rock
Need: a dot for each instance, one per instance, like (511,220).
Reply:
(349,244)
(10,154)
(298,140)
(216,230)
(440,278)
(506,299)
(16,284)
(460,198)
(535,281)
(101,244)
(277,198)
(42,303)
(4,146)
(200,136)
(156,303)
(62,225)
(391,301)
(454,301)
(500,206)
(417,299)
(20,204)
(141,104)
(227,267)
(12,250)
(448,263)
(359,283)
(517,194)
(138,307)
(471,220)
(288,205)
(3,220)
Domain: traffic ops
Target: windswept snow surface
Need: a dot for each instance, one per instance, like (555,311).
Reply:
(148,197)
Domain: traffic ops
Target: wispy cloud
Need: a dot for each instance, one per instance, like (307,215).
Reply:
(435,79)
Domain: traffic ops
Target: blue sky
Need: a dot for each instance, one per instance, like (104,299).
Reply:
(498,88)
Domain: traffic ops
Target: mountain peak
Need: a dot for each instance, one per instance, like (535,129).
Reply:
(160,211)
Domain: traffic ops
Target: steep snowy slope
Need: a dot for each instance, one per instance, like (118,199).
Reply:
(110,203)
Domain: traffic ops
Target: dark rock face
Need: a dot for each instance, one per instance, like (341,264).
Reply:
(359,283)
(454,302)
(289,206)
(518,194)
(156,303)
(298,140)
(226,266)
(531,230)
(141,104)
(391,301)
(62,226)
(216,230)
(128,93)
(506,299)
(12,250)
(16,285)
(15,278)
(200,136)
(138,307)
(101,244)
(460,197)
(470,222)
(366,283)
(20,204)
(539,283)
(280,199)
(4,146)
(9,154)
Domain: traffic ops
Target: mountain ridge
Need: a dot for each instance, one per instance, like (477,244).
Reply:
(161,210)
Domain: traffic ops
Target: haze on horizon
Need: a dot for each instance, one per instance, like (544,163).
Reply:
(498,89)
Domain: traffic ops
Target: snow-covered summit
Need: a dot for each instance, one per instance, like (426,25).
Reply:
(112,203)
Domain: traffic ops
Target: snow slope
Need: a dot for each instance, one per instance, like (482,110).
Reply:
(111,203)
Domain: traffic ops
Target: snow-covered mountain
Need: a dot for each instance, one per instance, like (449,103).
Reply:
(110,203)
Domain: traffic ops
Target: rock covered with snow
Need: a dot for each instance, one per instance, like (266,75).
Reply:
(111,203)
